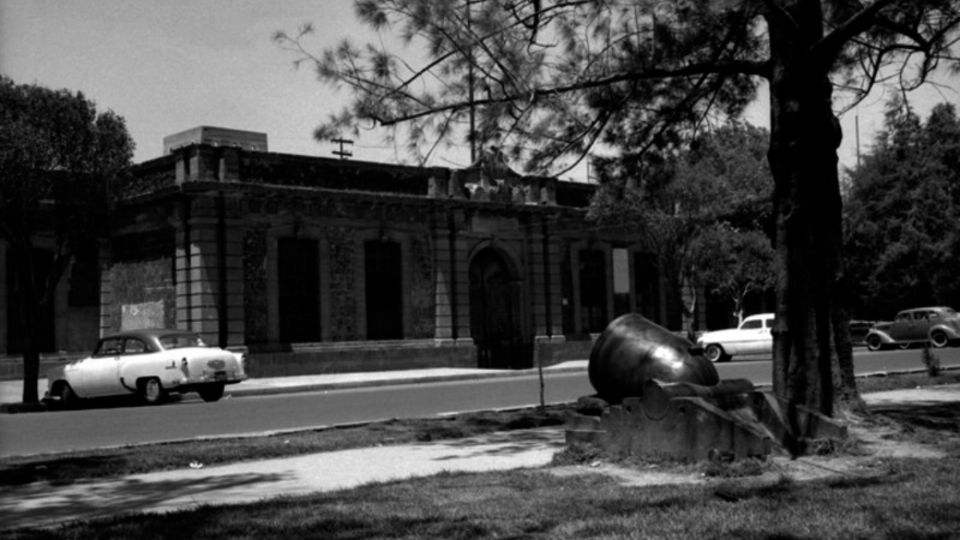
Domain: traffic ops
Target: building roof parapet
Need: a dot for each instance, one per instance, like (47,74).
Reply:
(149,177)
(489,180)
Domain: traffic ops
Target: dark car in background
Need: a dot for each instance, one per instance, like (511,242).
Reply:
(939,326)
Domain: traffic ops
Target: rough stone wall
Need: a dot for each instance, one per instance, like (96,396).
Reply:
(343,275)
(140,282)
(255,307)
(422,289)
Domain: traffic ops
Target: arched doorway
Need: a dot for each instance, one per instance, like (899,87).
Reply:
(495,321)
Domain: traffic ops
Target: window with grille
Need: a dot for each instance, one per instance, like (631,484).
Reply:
(299,285)
(384,290)
(593,290)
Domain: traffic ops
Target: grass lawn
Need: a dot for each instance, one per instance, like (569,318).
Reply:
(912,499)
(893,498)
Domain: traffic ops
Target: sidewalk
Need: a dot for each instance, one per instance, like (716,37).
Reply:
(12,391)
(41,504)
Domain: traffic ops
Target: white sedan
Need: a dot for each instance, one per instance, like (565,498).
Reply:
(751,337)
(148,363)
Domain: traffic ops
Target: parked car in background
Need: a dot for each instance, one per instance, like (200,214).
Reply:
(938,326)
(149,363)
(751,337)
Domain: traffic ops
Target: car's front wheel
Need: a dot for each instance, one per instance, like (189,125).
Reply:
(715,353)
(939,339)
(874,343)
(152,391)
(211,392)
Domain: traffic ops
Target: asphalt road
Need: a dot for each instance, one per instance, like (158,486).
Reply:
(53,432)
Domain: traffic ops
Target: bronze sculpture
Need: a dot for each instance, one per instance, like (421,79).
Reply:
(633,350)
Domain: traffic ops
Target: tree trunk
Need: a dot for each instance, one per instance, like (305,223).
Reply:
(29,311)
(805,136)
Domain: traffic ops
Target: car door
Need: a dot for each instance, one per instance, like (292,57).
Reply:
(139,361)
(750,336)
(903,326)
(923,320)
(916,328)
(765,343)
(97,375)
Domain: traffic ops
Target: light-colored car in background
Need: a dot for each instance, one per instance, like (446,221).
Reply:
(149,363)
(937,326)
(751,337)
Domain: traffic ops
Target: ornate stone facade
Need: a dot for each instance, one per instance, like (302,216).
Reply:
(317,264)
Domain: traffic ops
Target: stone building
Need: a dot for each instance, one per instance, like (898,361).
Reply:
(318,265)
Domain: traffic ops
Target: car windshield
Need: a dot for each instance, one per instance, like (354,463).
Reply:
(948,312)
(179,341)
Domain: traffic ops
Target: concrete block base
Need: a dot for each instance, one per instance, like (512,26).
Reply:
(696,424)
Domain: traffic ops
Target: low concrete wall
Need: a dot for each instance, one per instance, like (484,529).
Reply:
(342,357)
(555,352)
(350,357)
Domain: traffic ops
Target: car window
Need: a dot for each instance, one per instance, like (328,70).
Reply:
(109,347)
(902,317)
(751,325)
(920,316)
(933,315)
(179,341)
(768,323)
(134,346)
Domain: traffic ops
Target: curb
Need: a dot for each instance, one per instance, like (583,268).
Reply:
(241,391)
(348,385)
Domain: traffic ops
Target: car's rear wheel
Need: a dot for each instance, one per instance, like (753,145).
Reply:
(874,343)
(939,339)
(152,391)
(211,392)
(715,353)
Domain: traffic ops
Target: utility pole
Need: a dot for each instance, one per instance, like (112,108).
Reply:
(344,154)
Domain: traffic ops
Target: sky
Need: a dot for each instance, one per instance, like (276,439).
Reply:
(170,65)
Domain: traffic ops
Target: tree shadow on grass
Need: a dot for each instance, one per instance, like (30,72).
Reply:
(59,471)
(938,416)
(36,504)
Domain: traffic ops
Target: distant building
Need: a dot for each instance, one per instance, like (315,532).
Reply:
(317,264)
